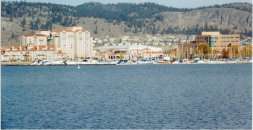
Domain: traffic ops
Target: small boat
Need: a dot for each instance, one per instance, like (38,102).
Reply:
(201,62)
(176,62)
(145,62)
(39,62)
(57,62)
(124,62)
(65,62)
(78,66)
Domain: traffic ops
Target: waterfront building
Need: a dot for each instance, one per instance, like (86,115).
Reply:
(216,39)
(170,51)
(75,42)
(246,48)
(12,56)
(29,53)
(128,52)
(210,45)
(34,39)
(186,50)
(216,44)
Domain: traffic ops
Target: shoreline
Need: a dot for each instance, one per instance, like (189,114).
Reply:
(122,64)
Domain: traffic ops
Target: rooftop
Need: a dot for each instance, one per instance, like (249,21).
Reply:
(69,29)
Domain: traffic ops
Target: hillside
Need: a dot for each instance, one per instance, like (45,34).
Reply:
(123,18)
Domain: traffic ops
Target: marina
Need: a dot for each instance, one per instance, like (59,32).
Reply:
(130,62)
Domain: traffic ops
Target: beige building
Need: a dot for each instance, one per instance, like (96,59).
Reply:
(129,52)
(75,42)
(227,40)
(216,39)
(216,45)
(29,53)
(34,39)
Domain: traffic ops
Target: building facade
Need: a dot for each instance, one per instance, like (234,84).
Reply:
(29,53)
(128,52)
(216,39)
(74,42)
(34,39)
(215,44)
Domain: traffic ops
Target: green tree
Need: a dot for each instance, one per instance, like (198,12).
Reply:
(23,22)
(38,23)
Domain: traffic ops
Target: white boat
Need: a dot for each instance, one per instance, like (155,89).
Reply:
(145,62)
(36,63)
(107,63)
(176,62)
(125,62)
(90,62)
(201,62)
(53,63)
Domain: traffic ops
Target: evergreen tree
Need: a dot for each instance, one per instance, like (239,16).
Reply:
(38,23)
(23,22)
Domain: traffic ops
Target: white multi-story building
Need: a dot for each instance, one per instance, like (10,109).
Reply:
(34,39)
(75,42)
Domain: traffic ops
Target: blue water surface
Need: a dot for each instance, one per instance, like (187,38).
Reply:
(137,96)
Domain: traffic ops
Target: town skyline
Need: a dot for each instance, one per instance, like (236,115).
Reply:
(171,3)
(75,45)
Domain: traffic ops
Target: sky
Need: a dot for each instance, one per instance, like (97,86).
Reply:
(172,3)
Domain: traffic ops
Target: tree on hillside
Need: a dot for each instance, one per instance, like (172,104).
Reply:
(96,28)
(23,23)
(12,36)
(33,25)
(11,18)
(38,23)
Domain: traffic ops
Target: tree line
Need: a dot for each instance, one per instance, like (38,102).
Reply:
(44,15)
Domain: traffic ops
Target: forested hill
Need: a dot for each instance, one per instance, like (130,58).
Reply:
(122,11)
(126,11)
(124,18)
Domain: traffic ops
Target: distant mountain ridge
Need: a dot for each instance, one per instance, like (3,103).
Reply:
(95,9)
(124,18)
(144,10)
(243,6)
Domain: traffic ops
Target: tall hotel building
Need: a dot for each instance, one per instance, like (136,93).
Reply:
(75,42)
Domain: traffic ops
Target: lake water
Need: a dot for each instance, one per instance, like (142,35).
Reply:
(137,96)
